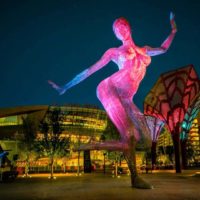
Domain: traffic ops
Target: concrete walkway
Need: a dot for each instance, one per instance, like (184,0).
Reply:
(167,186)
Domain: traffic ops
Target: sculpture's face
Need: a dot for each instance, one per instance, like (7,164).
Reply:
(122,29)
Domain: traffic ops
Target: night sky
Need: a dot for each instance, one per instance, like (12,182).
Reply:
(57,39)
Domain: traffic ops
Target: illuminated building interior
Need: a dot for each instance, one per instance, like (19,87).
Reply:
(193,143)
(164,145)
(81,124)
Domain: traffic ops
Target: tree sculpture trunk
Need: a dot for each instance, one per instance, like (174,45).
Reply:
(153,154)
(176,141)
(183,153)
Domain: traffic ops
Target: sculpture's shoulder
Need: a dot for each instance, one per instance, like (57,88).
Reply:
(112,53)
(141,50)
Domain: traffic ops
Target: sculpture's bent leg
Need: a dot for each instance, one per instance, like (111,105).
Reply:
(113,104)
(142,132)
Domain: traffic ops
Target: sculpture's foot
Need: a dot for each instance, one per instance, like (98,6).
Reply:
(141,184)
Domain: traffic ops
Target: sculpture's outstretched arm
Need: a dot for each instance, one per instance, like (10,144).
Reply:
(166,44)
(105,59)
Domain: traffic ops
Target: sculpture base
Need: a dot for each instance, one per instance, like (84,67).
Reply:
(141,184)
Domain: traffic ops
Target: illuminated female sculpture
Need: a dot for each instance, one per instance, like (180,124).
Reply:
(117,91)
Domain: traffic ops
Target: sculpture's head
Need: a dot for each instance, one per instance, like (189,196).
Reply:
(122,29)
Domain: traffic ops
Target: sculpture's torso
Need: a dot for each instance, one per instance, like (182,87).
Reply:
(132,62)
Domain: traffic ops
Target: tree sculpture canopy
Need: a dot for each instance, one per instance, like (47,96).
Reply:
(172,95)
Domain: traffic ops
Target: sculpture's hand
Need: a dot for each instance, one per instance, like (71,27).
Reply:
(173,23)
(58,88)
(77,79)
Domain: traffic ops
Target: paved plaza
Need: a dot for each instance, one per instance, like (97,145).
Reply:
(167,186)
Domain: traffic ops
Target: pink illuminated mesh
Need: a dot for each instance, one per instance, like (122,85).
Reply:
(117,91)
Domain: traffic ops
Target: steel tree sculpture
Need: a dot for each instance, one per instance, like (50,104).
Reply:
(117,91)
(169,100)
(155,125)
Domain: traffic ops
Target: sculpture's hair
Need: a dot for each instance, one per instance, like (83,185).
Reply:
(121,21)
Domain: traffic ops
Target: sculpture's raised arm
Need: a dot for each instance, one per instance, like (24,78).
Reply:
(166,44)
(105,59)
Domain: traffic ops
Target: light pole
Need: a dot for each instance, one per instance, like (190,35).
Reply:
(104,162)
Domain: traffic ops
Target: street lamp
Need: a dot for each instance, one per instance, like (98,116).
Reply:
(104,162)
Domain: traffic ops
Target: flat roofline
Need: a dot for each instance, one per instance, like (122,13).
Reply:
(5,112)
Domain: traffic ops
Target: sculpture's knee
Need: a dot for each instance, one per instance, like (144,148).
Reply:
(102,91)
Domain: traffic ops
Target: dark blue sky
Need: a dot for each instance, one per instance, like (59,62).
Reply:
(57,39)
